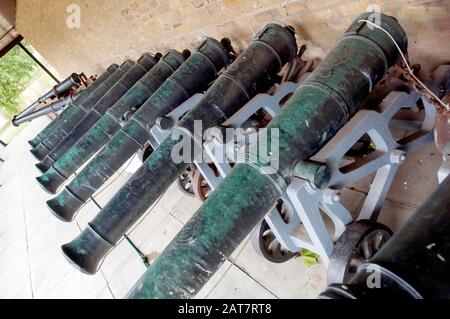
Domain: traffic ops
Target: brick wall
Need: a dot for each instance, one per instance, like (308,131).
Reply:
(114,29)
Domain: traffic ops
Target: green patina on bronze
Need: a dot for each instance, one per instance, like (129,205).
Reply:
(318,174)
(183,268)
(251,73)
(135,134)
(84,95)
(314,114)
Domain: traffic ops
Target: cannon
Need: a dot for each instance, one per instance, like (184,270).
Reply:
(111,122)
(370,143)
(72,108)
(143,65)
(254,71)
(323,103)
(70,121)
(192,77)
(413,264)
(71,83)
(52,107)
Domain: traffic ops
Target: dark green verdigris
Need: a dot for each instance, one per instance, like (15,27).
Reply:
(312,116)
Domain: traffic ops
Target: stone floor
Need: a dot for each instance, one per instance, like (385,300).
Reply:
(31,265)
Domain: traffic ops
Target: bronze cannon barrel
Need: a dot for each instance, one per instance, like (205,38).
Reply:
(194,76)
(70,120)
(72,107)
(111,122)
(311,117)
(145,63)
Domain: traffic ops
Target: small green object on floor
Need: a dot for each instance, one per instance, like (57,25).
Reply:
(309,258)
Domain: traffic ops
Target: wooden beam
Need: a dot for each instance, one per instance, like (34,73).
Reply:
(10,45)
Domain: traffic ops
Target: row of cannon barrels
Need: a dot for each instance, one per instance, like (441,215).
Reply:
(57,98)
(94,130)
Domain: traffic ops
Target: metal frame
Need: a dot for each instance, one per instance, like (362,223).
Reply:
(213,147)
(304,200)
(163,127)
(306,203)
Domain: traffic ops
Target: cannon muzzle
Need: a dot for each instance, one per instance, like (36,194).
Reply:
(84,95)
(311,117)
(70,121)
(194,76)
(253,72)
(413,263)
(86,262)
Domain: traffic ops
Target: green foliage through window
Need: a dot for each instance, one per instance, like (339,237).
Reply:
(16,71)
